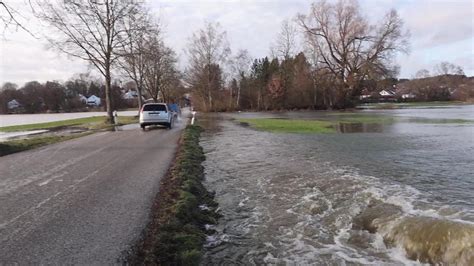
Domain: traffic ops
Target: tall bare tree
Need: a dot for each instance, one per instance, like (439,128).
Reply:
(139,28)
(92,30)
(207,49)
(349,47)
(160,72)
(285,45)
(285,50)
(240,65)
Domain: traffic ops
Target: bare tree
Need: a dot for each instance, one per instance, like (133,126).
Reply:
(422,73)
(446,68)
(139,28)
(160,73)
(9,18)
(207,49)
(240,65)
(285,46)
(284,50)
(91,30)
(349,47)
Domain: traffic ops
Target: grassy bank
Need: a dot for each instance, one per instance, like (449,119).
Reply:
(177,231)
(95,122)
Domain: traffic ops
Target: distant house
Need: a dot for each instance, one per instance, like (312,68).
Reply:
(82,98)
(387,95)
(130,95)
(365,94)
(13,104)
(93,100)
(408,96)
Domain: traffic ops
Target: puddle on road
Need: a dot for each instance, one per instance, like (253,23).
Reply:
(4,136)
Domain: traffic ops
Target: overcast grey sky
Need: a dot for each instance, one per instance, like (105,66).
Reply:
(441,30)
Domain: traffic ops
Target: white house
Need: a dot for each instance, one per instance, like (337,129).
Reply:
(129,95)
(408,96)
(13,104)
(93,100)
(387,93)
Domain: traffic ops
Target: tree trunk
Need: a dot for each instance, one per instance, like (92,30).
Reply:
(237,102)
(108,98)
(140,102)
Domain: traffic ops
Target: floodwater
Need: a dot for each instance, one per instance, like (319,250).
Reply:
(385,194)
(23,119)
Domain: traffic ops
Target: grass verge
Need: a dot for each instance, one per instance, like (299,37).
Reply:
(95,122)
(290,125)
(177,232)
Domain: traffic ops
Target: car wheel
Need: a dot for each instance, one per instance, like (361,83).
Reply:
(143,127)
(170,124)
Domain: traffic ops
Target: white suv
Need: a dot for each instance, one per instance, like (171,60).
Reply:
(156,114)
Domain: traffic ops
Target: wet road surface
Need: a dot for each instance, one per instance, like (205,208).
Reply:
(83,201)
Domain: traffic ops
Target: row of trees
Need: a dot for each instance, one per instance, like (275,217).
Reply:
(53,96)
(443,68)
(342,52)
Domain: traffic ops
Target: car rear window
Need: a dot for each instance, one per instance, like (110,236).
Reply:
(154,107)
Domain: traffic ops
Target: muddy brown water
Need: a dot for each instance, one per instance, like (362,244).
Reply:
(385,194)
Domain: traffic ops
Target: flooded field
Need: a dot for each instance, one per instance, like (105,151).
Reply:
(391,191)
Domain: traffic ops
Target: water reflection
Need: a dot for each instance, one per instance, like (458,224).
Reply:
(359,127)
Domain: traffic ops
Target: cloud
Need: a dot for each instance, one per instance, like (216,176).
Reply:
(440,31)
(434,23)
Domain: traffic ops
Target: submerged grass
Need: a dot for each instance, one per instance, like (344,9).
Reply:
(290,125)
(329,124)
(94,122)
(177,231)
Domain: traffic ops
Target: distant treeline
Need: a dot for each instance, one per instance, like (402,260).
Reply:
(70,96)
(52,96)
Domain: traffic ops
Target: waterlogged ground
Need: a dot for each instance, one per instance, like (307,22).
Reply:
(394,191)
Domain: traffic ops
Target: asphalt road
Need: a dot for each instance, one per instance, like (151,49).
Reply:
(83,201)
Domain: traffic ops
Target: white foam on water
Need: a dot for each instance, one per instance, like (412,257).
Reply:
(242,202)
(270,259)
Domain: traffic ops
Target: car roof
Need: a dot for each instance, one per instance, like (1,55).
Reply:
(155,104)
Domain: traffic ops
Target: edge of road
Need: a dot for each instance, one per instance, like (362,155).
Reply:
(182,211)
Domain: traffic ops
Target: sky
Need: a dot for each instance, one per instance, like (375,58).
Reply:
(440,30)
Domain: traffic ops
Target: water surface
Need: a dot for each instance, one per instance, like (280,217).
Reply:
(398,194)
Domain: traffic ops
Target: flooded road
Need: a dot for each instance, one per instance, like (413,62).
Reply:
(387,193)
